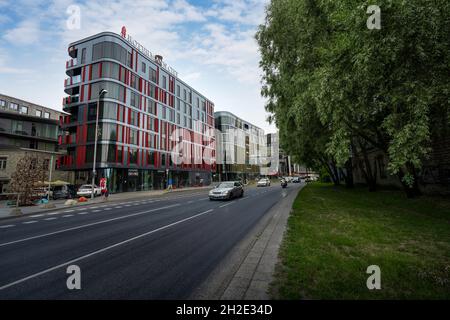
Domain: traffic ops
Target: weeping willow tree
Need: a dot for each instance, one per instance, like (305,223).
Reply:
(334,86)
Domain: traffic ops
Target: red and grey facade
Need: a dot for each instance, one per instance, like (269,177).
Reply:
(147,117)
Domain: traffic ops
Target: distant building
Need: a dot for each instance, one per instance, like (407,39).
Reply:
(272,166)
(27,129)
(240,148)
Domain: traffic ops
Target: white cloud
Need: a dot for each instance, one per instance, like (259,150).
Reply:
(26,33)
(219,51)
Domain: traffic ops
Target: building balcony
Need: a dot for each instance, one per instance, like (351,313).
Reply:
(72,68)
(72,85)
(71,63)
(70,101)
(67,140)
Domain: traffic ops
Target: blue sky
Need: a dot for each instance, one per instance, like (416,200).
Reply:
(210,43)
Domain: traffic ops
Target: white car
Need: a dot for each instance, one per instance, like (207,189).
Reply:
(264,182)
(86,191)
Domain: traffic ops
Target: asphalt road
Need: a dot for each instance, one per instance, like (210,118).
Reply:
(160,248)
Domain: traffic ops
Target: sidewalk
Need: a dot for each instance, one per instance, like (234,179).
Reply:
(6,211)
(247,271)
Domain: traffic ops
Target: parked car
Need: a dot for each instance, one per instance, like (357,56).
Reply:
(227,191)
(64,192)
(264,182)
(86,191)
(283,183)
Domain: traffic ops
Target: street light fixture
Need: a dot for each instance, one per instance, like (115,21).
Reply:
(100,95)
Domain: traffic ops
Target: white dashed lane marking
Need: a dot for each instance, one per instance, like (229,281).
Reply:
(83,212)
(37,216)
(67,216)
(7,226)
(29,222)
(50,219)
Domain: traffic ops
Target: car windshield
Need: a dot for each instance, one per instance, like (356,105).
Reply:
(86,186)
(226,185)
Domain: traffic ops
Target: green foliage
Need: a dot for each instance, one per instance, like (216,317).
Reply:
(329,79)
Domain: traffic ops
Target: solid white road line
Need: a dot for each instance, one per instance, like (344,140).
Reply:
(103,250)
(86,225)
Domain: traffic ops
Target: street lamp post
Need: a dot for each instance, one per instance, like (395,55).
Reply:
(100,95)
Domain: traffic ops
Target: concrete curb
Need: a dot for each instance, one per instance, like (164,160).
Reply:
(247,271)
(132,195)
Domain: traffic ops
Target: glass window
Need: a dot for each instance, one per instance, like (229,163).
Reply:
(14,106)
(109,132)
(111,50)
(134,118)
(151,158)
(108,110)
(97,51)
(111,156)
(152,75)
(24,110)
(151,106)
(133,155)
(119,154)
(95,71)
(152,91)
(164,80)
(133,136)
(83,56)
(134,99)
(3,161)
(2,104)
(178,90)
(46,115)
(144,67)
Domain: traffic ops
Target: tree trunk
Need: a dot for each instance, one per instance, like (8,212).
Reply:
(369,175)
(349,174)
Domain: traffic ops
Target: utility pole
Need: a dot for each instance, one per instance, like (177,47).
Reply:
(100,94)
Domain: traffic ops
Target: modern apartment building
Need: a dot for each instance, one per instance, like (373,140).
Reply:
(27,128)
(154,129)
(240,148)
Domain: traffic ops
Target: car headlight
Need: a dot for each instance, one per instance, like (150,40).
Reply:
(225,192)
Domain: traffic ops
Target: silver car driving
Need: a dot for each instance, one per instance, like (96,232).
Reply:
(227,190)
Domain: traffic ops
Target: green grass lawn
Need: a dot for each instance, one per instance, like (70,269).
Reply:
(334,234)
